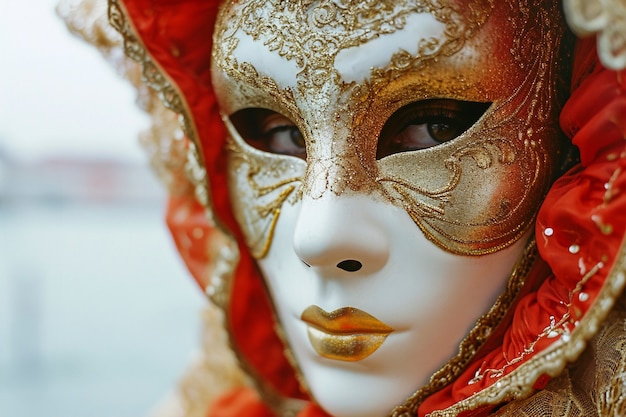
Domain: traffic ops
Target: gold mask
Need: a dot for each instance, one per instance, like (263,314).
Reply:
(369,88)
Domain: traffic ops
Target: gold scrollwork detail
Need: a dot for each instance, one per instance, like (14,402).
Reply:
(270,209)
(263,216)
(152,75)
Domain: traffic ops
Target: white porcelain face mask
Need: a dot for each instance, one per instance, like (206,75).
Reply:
(385,164)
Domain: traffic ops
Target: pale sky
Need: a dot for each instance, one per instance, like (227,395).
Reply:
(58,96)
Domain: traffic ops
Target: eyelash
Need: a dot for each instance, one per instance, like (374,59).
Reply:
(453,115)
(264,135)
(422,115)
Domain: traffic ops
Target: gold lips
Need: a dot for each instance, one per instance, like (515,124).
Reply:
(346,334)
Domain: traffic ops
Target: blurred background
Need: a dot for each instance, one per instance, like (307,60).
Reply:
(98,316)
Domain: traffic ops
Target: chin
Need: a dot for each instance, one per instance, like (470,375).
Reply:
(355,404)
(357,393)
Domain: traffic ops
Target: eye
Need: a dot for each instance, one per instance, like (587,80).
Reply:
(427,123)
(270,132)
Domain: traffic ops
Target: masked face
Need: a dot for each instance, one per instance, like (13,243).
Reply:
(385,163)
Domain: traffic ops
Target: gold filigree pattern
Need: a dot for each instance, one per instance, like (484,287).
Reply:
(338,25)
(531,112)
(264,184)
(340,119)
(430,209)
(343,24)
(461,23)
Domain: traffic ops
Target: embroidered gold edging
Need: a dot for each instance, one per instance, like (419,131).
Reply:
(155,77)
(221,272)
(519,383)
(476,337)
(589,387)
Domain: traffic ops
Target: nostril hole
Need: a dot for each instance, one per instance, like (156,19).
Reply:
(350,265)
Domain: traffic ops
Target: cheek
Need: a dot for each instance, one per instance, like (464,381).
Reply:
(491,195)
(439,294)
(285,274)
(431,298)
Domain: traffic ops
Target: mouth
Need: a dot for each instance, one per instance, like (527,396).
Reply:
(346,334)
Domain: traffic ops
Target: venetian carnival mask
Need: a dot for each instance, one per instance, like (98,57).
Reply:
(386,160)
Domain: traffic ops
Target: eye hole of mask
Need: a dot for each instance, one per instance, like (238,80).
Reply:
(427,123)
(269,131)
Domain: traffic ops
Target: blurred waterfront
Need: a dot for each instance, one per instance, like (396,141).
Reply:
(98,317)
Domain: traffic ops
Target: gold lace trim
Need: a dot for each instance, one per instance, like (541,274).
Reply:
(152,74)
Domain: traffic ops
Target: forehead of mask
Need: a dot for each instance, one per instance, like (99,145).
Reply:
(318,50)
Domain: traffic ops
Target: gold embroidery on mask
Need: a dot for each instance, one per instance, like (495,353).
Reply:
(338,25)
(445,214)
(448,215)
(346,164)
(261,218)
